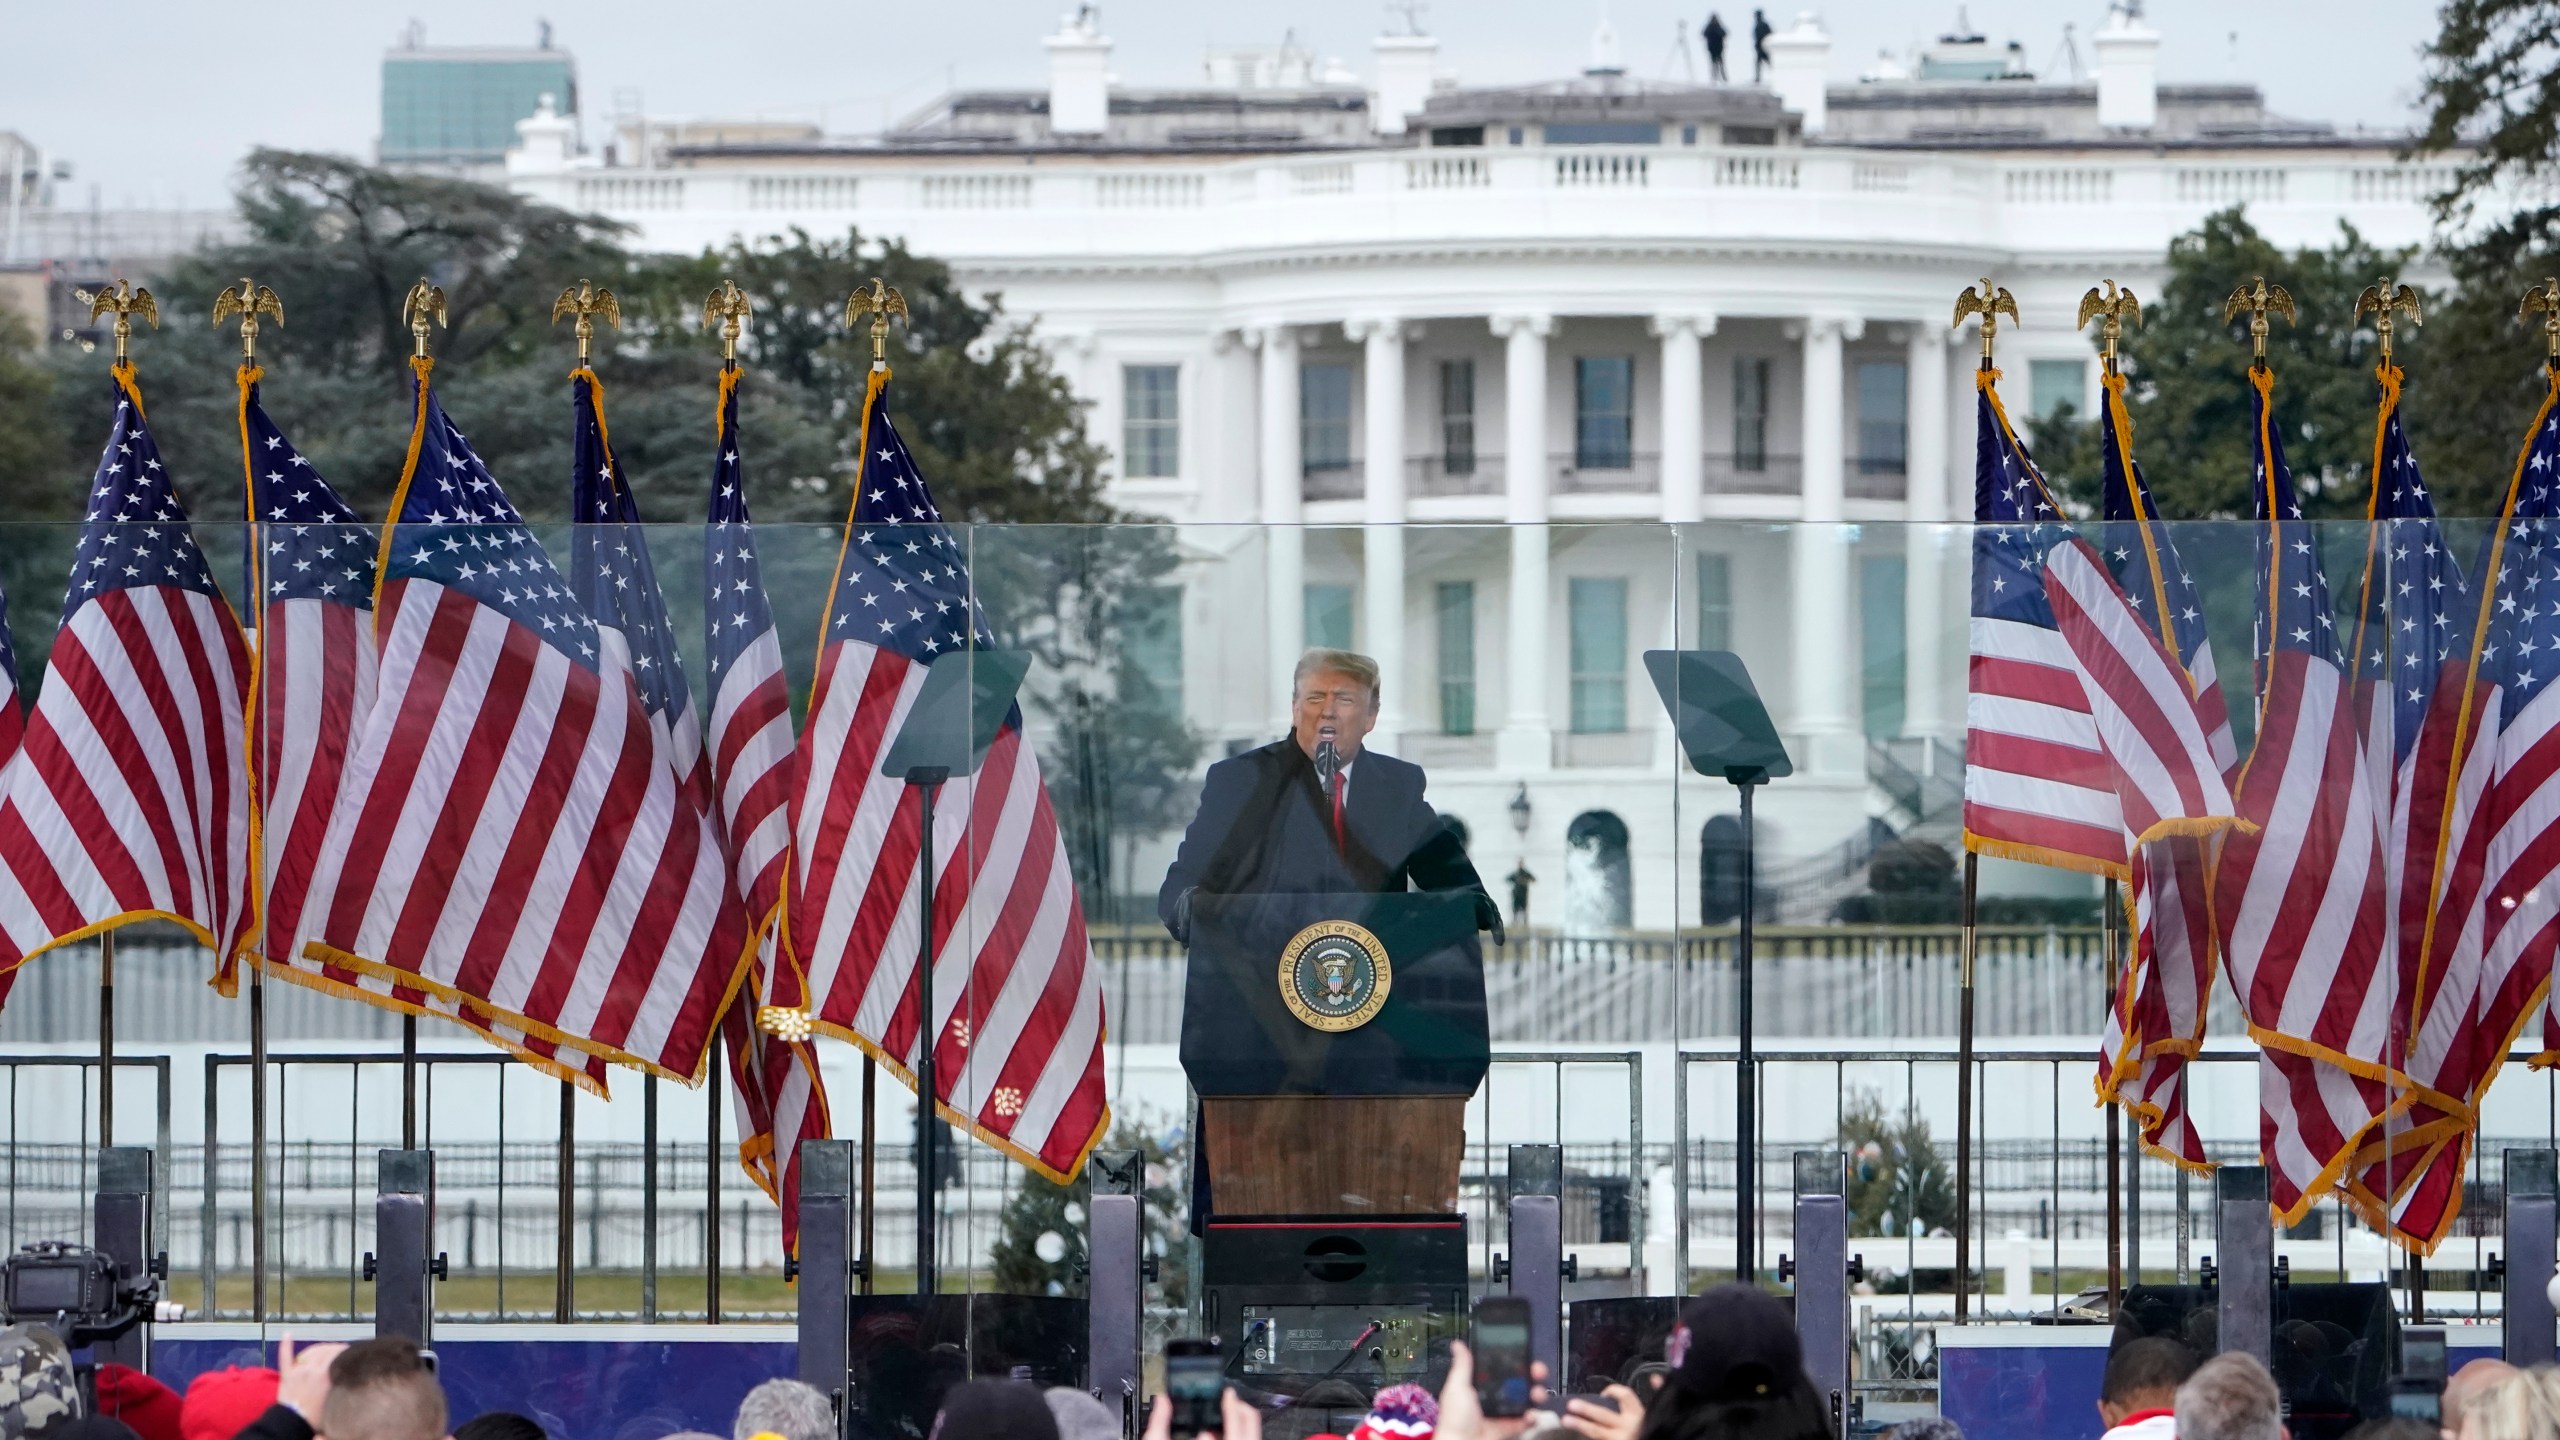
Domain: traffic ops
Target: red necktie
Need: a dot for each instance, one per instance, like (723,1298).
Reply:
(1338,843)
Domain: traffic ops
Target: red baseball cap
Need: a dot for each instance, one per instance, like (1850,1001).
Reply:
(221,1403)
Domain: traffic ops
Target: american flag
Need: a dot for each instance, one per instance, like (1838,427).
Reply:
(2513,922)
(13,726)
(2037,786)
(510,835)
(2300,900)
(310,563)
(2431,733)
(780,1098)
(2521,650)
(1019,1026)
(310,568)
(2157,1023)
(128,799)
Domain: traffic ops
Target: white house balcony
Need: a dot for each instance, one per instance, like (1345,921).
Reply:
(1648,195)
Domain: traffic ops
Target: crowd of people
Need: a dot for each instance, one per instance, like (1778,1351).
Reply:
(1732,1369)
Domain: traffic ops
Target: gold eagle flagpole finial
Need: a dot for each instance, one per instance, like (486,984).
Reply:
(1990,302)
(2545,297)
(879,300)
(248,300)
(2257,300)
(124,300)
(423,309)
(727,308)
(2112,308)
(2381,299)
(587,300)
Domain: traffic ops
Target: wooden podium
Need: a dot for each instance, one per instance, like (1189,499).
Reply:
(1335,1154)
(1301,1121)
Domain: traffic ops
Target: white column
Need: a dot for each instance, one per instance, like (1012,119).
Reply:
(1826,422)
(1283,479)
(1826,653)
(1283,502)
(1382,539)
(1525,744)
(1925,446)
(1684,426)
(1925,539)
(1218,443)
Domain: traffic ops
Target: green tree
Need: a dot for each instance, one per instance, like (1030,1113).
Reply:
(993,425)
(35,457)
(1040,1244)
(2187,387)
(2492,92)
(1896,1175)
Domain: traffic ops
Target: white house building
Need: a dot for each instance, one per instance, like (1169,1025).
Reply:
(1628,329)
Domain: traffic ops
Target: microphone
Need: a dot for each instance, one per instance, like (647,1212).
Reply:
(1328,761)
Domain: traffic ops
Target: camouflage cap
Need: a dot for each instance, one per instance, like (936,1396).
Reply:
(39,1391)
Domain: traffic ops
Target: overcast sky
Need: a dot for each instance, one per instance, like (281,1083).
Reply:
(164,113)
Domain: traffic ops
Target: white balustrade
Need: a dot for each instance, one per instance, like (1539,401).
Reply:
(1201,207)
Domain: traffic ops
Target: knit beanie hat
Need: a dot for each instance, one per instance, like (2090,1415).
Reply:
(1401,1412)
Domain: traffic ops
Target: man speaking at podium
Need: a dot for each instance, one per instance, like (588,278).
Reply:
(1317,813)
(1336,1086)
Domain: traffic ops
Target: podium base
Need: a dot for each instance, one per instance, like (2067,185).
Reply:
(1298,1299)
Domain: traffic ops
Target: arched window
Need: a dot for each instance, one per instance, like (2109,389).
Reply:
(1599,893)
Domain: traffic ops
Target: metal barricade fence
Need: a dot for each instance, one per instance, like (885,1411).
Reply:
(49,1184)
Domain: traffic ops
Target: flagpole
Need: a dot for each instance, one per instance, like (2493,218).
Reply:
(257,1143)
(1990,302)
(870,1080)
(249,300)
(1971,937)
(106,1040)
(2108,907)
(408,1082)
(124,300)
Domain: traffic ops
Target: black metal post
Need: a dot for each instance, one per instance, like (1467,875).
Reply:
(257,1144)
(1746,1191)
(408,1082)
(404,1237)
(826,1215)
(1967,937)
(121,1219)
(866,1272)
(564,1303)
(926,781)
(2244,1259)
(2108,908)
(107,1040)
(711,1193)
(2532,1214)
(649,1200)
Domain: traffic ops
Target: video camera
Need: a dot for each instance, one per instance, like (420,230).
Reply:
(75,1292)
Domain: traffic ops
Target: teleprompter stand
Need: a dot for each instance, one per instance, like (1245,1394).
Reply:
(1726,733)
(966,697)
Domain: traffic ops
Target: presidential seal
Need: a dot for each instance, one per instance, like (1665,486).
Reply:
(1334,975)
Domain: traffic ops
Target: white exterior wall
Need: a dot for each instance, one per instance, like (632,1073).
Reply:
(1191,262)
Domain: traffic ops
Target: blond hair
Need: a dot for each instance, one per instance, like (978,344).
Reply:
(1342,662)
(2522,1406)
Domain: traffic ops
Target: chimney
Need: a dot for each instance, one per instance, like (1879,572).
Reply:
(1406,64)
(2128,70)
(1800,70)
(1079,76)
(546,141)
